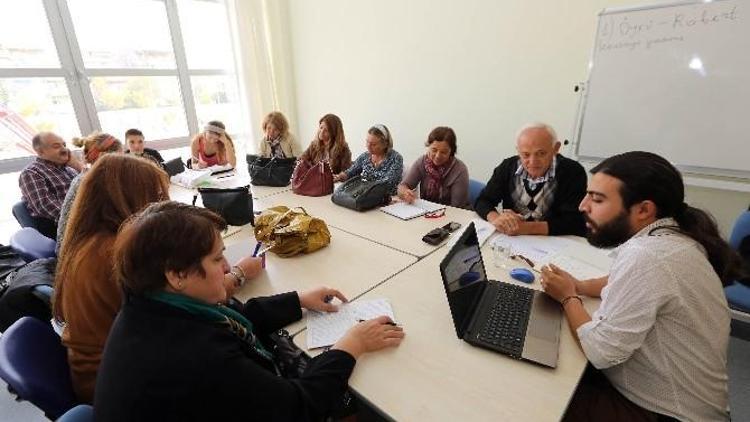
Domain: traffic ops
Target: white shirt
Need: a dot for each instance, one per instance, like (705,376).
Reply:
(662,330)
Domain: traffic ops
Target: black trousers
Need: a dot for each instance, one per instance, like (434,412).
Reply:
(597,400)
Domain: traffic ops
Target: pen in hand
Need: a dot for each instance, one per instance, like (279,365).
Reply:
(389,322)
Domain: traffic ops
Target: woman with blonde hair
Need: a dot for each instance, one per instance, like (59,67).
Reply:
(94,146)
(277,142)
(212,147)
(329,144)
(97,143)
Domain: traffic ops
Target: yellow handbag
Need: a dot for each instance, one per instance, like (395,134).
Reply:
(290,232)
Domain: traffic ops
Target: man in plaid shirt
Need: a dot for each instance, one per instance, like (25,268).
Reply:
(45,181)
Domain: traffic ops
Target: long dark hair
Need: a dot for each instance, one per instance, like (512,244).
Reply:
(116,187)
(647,176)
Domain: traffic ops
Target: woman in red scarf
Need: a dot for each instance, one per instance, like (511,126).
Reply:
(442,177)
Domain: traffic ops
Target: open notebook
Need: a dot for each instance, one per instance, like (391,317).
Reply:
(406,211)
(324,329)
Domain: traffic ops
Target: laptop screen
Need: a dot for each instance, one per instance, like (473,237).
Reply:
(464,278)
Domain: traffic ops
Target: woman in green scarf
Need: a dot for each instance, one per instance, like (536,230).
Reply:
(176,352)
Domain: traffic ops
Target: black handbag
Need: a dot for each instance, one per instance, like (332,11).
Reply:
(360,194)
(234,205)
(290,359)
(174,166)
(270,171)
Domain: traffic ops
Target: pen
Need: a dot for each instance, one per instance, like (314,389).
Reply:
(257,248)
(391,323)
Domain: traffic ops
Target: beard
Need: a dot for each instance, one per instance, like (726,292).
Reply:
(613,233)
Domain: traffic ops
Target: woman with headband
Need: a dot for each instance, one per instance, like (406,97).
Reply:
(94,146)
(379,162)
(213,147)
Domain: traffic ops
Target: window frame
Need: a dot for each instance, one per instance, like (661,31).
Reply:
(77,76)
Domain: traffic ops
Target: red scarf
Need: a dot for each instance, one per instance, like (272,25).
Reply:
(434,179)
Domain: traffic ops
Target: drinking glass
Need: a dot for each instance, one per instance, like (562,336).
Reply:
(501,252)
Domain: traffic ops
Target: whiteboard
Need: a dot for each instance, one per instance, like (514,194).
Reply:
(672,79)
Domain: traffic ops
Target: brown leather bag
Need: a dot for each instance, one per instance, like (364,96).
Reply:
(312,180)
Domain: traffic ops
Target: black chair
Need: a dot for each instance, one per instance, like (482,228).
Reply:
(43,225)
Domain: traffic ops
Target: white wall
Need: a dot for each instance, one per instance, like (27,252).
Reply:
(483,67)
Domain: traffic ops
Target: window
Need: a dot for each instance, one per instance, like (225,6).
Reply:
(23,41)
(75,66)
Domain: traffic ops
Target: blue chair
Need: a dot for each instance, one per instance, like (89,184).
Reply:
(32,245)
(25,219)
(475,188)
(22,215)
(35,365)
(80,413)
(738,295)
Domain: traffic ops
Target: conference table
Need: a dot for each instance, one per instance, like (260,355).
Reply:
(382,228)
(350,263)
(432,375)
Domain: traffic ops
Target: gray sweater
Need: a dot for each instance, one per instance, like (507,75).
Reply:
(455,189)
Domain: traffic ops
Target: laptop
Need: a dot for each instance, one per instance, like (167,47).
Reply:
(514,320)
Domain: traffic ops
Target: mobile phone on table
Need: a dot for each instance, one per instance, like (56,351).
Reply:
(452,226)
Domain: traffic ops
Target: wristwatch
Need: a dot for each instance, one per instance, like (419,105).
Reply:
(239,275)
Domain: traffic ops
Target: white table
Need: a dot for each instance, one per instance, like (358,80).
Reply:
(405,236)
(433,375)
(351,264)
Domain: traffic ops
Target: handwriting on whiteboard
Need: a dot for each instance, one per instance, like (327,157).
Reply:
(628,33)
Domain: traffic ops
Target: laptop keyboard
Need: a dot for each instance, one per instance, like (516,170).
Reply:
(505,326)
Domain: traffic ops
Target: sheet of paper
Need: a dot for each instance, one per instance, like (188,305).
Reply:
(581,260)
(325,329)
(535,248)
(578,268)
(406,211)
(483,228)
(220,169)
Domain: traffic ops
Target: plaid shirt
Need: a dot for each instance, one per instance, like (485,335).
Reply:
(43,187)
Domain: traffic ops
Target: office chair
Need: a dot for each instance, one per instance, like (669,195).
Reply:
(738,295)
(475,188)
(35,365)
(22,215)
(80,413)
(32,245)
(44,226)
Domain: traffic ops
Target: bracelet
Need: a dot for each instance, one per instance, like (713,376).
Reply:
(239,274)
(567,299)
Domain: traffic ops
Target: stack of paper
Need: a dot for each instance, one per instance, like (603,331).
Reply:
(406,211)
(326,328)
(217,169)
(483,228)
(191,178)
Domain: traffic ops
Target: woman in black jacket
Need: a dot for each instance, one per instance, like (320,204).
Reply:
(175,352)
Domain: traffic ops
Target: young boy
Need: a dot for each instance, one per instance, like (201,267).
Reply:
(134,139)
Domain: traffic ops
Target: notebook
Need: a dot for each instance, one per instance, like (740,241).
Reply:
(326,328)
(406,211)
